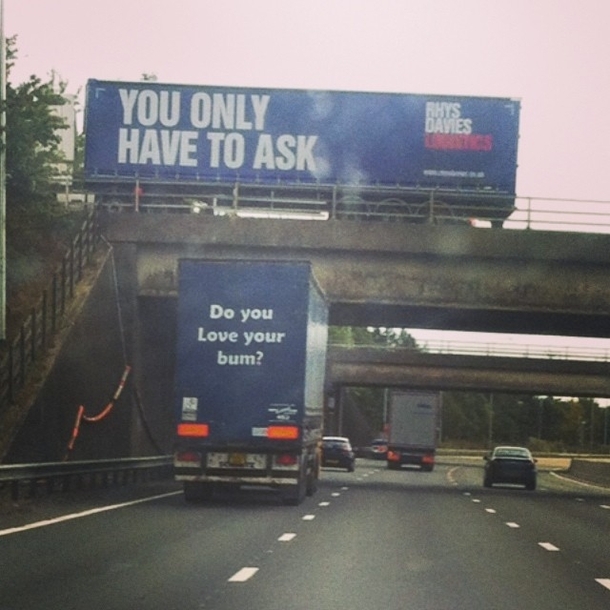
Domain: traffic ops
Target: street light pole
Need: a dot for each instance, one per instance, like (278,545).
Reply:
(541,400)
(491,419)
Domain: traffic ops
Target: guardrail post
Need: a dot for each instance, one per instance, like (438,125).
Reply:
(54,303)
(22,356)
(11,373)
(71,277)
(43,321)
(33,338)
(64,280)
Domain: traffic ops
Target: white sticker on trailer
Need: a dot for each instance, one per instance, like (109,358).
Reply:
(189,408)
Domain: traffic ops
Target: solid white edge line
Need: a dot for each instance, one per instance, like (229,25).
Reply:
(576,482)
(604,582)
(85,513)
(243,575)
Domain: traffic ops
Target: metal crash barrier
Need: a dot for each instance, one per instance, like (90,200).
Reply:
(64,476)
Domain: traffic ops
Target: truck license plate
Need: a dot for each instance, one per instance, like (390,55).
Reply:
(236,460)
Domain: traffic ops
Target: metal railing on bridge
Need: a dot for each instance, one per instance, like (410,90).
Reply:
(20,352)
(497,349)
(370,203)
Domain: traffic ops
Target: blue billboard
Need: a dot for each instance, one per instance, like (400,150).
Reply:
(224,134)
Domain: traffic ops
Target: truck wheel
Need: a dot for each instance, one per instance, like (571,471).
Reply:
(194,491)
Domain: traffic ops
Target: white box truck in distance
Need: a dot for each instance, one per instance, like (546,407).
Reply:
(249,380)
(412,428)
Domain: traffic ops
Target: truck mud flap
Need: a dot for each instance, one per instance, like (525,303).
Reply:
(293,495)
(197,491)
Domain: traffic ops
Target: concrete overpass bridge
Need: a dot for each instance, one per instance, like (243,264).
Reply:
(392,274)
(452,277)
(386,367)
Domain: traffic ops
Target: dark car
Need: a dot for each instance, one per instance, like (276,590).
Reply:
(337,452)
(510,465)
(379,449)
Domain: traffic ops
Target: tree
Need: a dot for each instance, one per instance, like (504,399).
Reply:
(32,139)
(394,337)
(351,336)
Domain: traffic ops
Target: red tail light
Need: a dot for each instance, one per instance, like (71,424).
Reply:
(393,456)
(198,430)
(283,432)
(188,456)
(286,459)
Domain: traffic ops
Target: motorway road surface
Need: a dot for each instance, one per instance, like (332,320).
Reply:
(370,539)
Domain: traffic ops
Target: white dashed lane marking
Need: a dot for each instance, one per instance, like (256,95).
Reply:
(512,524)
(548,546)
(243,575)
(288,537)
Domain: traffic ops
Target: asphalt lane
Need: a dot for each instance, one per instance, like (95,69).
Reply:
(398,540)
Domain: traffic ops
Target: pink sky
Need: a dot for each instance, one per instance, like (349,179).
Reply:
(552,54)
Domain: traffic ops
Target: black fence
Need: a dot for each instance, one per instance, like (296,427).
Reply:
(35,334)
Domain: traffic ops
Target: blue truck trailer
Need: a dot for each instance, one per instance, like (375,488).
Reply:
(249,381)
(384,155)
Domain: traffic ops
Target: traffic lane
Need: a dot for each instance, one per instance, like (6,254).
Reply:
(171,573)
(158,554)
(404,540)
(563,515)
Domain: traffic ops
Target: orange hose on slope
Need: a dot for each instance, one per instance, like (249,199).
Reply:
(80,415)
